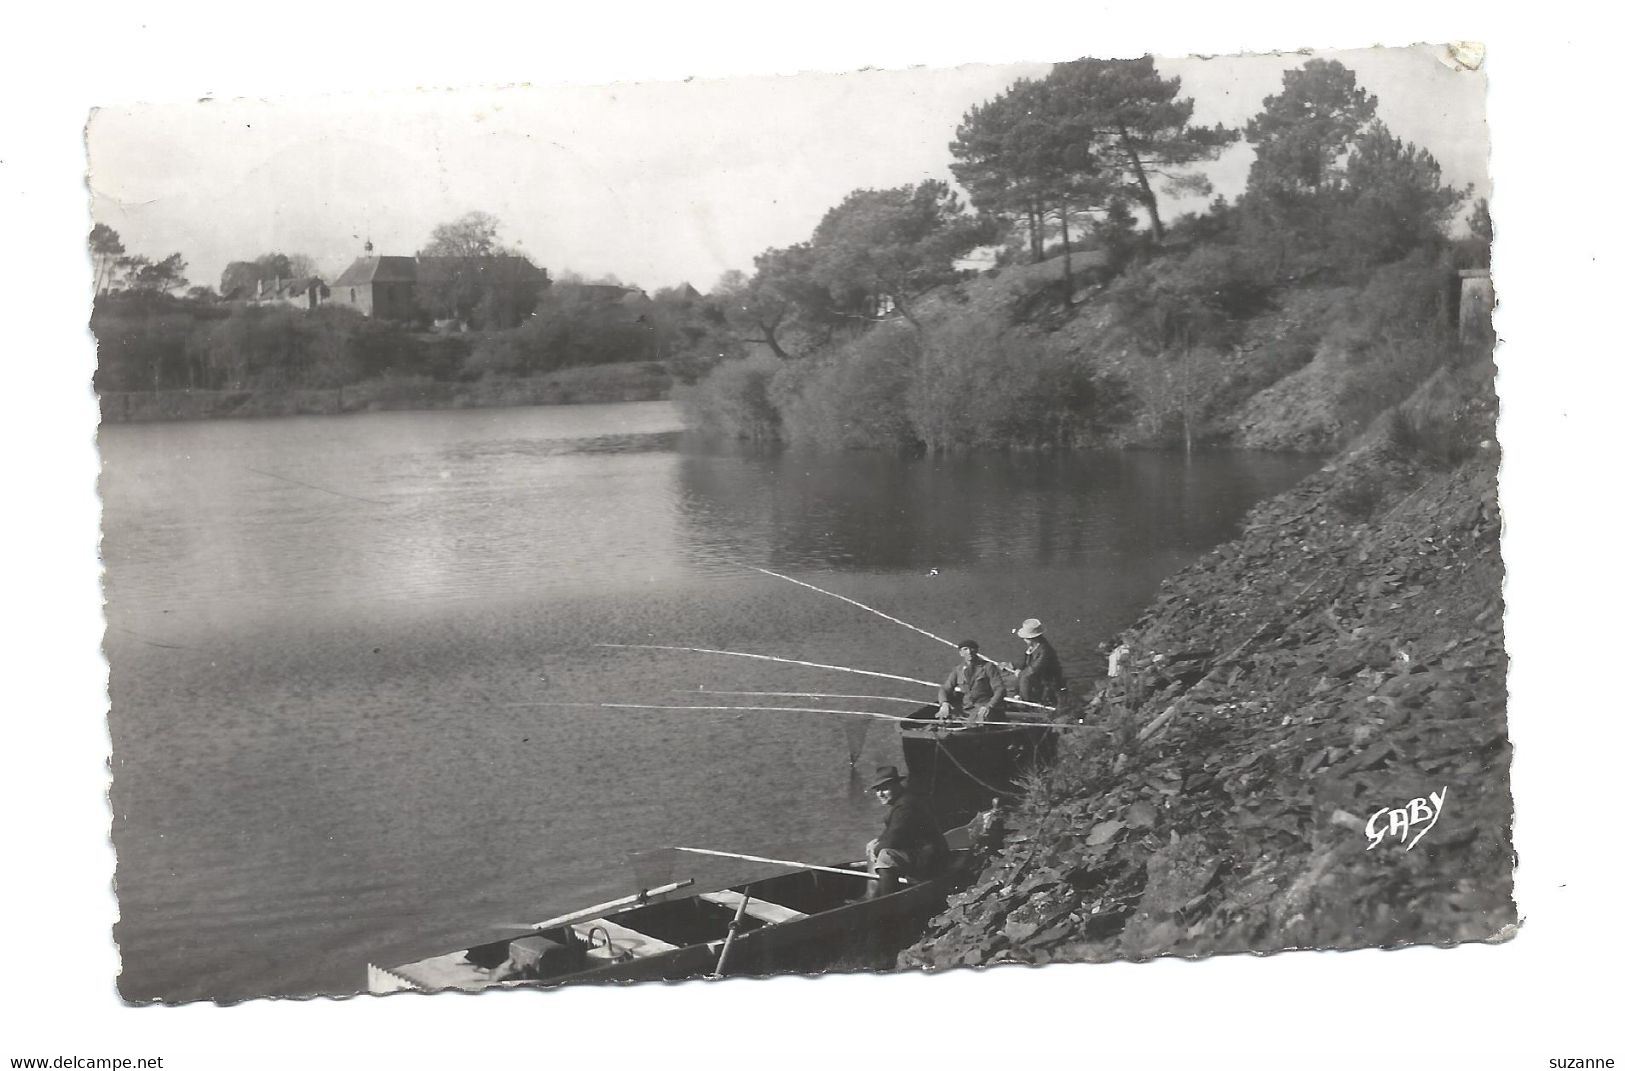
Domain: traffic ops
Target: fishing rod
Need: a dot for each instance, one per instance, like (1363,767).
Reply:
(799,662)
(767,658)
(854,602)
(609,905)
(895,620)
(805,695)
(951,723)
(781,862)
(657,706)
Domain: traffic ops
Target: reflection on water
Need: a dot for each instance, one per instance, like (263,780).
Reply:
(355,661)
(871,511)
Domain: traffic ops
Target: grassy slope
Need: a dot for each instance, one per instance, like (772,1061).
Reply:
(1342,655)
(1305,375)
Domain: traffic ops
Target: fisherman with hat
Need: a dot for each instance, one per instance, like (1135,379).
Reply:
(1038,677)
(910,844)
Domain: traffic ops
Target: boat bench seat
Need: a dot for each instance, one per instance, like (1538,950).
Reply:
(623,939)
(762,910)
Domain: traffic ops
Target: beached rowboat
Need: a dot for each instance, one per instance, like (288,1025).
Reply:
(784,923)
(962,768)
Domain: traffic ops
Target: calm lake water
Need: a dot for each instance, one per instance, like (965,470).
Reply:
(332,642)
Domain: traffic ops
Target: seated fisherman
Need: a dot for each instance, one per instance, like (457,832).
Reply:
(974,691)
(1038,677)
(910,845)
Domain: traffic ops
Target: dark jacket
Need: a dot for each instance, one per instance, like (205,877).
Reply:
(980,684)
(1038,677)
(910,826)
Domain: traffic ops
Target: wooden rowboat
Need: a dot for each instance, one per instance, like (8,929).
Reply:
(781,924)
(963,768)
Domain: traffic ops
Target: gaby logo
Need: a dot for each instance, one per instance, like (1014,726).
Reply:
(1419,816)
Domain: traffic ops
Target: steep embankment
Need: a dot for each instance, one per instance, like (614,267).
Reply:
(1184,347)
(1343,655)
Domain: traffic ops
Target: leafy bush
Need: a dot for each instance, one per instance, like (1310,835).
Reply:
(974,386)
(1440,440)
(497,356)
(1407,297)
(691,365)
(953,383)
(283,348)
(1387,371)
(144,340)
(1235,280)
(274,348)
(1217,225)
(142,352)
(853,398)
(440,357)
(1202,298)
(733,399)
(573,326)
(1395,333)
(1444,422)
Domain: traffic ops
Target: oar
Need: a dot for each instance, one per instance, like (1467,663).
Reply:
(609,905)
(780,862)
(765,658)
(859,605)
(733,932)
(658,706)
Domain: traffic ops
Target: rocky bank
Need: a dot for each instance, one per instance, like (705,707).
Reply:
(1343,655)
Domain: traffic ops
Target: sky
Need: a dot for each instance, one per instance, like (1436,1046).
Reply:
(655,183)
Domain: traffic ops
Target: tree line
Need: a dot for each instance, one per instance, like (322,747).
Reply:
(154,333)
(1082,159)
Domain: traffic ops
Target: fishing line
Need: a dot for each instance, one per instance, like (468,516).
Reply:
(780,862)
(888,617)
(314,487)
(854,602)
(658,706)
(805,695)
(767,658)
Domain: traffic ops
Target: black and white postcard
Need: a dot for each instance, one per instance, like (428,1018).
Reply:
(563,536)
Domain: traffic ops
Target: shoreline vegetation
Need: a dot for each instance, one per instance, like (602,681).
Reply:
(1000,362)
(643,381)
(1286,318)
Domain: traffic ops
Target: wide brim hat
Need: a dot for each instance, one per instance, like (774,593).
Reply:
(1030,629)
(885,777)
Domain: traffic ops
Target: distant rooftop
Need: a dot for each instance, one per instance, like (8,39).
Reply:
(379,270)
